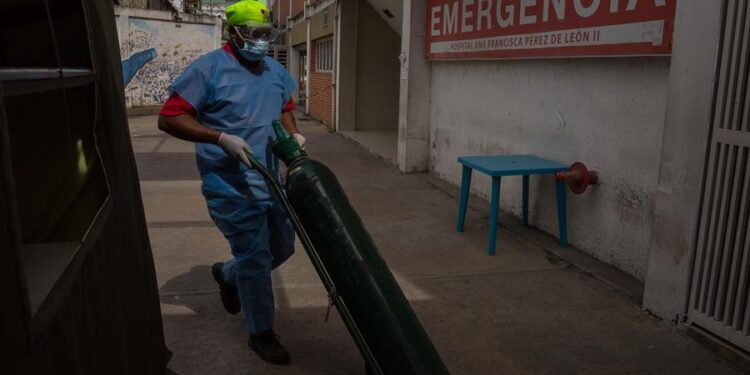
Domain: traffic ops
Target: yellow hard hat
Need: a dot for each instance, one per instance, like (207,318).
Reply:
(249,13)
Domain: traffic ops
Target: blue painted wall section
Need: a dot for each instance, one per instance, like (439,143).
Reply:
(157,52)
(133,64)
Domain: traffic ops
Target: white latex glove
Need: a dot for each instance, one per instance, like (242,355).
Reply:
(300,139)
(234,146)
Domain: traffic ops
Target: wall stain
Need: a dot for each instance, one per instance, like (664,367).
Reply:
(634,203)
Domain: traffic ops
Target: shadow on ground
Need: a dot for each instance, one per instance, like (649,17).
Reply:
(524,311)
(210,341)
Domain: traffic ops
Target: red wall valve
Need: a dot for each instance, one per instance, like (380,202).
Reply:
(578,177)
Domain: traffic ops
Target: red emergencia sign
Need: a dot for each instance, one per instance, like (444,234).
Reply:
(498,29)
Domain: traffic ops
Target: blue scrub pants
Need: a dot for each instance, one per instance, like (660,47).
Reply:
(261,238)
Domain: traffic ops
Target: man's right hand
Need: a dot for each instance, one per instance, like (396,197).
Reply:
(235,147)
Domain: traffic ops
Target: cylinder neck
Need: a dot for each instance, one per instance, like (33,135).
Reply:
(286,147)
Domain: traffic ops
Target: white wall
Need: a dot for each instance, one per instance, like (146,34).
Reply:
(698,26)
(608,113)
(176,44)
(395,7)
(378,47)
(414,91)
(346,66)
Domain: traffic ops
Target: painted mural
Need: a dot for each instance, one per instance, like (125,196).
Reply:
(170,47)
(135,62)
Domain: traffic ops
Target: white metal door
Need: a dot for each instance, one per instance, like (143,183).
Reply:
(719,298)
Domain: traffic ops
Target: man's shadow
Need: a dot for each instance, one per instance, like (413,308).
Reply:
(197,328)
(204,336)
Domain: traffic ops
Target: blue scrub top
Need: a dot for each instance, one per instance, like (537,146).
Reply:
(231,99)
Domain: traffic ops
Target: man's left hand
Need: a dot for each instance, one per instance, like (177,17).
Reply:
(300,139)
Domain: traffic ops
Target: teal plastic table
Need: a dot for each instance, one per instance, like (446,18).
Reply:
(511,165)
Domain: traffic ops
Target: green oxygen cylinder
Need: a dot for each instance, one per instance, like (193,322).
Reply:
(362,280)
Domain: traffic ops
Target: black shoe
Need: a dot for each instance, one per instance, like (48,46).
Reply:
(267,345)
(229,296)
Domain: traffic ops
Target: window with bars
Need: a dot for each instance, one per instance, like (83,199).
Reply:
(324,55)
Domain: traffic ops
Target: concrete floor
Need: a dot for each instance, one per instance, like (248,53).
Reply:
(531,309)
(381,142)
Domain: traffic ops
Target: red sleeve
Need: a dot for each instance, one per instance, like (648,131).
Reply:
(176,105)
(288,106)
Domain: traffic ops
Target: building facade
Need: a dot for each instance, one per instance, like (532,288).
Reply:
(345,57)
(663,133)
(320,86)
(309,36)
(642,112)
(648,94)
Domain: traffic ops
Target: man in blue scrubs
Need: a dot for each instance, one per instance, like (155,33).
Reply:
(225,102)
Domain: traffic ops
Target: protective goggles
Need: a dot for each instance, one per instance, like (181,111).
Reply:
(266,34)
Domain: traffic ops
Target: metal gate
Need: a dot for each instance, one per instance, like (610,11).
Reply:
(720,286)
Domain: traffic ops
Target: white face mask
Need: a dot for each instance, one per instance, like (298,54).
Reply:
(257,42)
(255,51)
